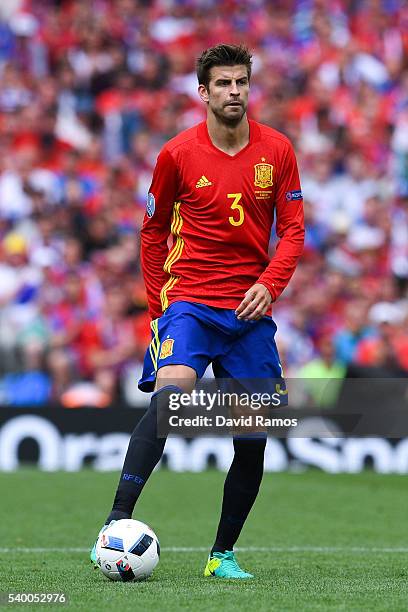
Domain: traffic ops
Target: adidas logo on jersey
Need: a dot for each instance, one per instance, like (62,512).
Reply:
(203,182)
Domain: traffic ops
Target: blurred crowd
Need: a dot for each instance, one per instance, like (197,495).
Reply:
(89,92)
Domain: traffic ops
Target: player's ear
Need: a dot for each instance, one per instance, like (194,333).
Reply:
(203,93)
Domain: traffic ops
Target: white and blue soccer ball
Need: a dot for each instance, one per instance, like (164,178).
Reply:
(127,550)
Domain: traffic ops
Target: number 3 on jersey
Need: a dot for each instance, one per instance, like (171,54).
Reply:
(238,207)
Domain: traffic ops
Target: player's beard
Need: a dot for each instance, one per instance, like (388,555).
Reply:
(230,121)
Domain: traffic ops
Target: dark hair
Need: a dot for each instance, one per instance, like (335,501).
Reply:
(222,55)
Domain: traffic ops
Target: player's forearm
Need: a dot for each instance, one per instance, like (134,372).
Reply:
(283,264)
(153,299)
(153,255)
(154,282)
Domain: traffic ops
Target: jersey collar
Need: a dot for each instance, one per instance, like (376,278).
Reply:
(204,138)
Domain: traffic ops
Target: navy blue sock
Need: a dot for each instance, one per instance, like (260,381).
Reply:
(240,490)
(144,452)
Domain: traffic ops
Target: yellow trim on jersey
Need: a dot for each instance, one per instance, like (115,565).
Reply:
(174,254)
(177,219)
(167,287)
(177,249)
(155,342)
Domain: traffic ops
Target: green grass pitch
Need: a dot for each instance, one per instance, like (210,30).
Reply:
(330,542)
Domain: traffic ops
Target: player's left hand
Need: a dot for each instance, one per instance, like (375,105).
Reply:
(255,303)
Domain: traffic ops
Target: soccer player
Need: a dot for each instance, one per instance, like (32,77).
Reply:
(216,188)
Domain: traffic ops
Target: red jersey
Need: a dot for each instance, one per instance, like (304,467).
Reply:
(220,209)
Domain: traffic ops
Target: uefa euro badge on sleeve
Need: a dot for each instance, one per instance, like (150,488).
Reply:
(293,195)
(150,205)
(263,174)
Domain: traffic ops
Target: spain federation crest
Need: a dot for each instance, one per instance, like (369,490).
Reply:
(166,348)
(263,174)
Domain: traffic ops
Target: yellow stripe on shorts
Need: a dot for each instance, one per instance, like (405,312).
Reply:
(155,342)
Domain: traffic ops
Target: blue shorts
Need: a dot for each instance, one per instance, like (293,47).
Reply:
(195,335)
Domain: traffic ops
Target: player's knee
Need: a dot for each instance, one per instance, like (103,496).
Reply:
(154,422)
(180,376)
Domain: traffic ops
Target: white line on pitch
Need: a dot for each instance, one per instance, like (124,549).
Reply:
(272,549)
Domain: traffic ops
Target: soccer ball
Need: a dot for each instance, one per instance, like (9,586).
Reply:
(127,550)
